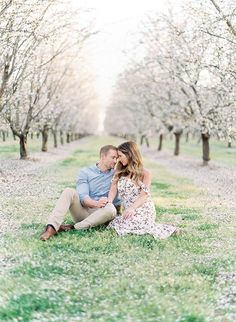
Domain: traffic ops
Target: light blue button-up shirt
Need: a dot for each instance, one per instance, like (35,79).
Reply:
(94,183)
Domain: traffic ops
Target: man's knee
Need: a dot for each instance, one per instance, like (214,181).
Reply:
(69,191)
(111,210)
(98,217)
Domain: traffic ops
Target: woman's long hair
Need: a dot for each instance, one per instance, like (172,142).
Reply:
(134,167)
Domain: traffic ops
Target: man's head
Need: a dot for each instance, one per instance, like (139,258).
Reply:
(108,156)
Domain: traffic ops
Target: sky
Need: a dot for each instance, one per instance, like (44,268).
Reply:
(108,51)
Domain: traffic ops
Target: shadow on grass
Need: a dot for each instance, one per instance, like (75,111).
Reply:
(146,242)
(45,271)
(207,226)
(186,213)
(191,318)
(25,305)
(157,186)
(191,244)
(210,269)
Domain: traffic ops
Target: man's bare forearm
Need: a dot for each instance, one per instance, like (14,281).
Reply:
(88,202)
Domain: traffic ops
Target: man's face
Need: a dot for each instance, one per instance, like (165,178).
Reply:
(109,160)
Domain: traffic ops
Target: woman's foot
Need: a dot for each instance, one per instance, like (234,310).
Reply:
(177,232)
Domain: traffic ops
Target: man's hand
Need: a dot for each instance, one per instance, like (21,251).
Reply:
(128,213)
(102,202)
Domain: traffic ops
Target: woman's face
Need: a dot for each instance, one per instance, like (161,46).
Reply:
(122,158)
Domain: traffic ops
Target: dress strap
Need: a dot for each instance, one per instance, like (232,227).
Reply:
(144,188)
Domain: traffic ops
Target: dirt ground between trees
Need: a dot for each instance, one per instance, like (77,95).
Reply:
(218,180)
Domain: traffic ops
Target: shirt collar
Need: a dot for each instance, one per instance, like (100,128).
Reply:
(100,171)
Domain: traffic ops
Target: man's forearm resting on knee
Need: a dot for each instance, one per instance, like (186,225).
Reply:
(90,203)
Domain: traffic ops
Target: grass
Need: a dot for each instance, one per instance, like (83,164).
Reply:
(11,148)
(95,275)
(219,152)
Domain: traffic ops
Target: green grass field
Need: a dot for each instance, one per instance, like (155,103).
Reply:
(219,152)
(10,148)
(95,275)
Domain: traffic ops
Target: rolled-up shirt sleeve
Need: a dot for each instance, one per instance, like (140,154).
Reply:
(82,186)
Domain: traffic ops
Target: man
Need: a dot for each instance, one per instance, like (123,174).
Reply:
(88,204)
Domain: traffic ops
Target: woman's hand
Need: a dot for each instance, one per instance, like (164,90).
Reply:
(128,213)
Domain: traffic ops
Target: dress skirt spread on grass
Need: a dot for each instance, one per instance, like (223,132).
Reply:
(143,221)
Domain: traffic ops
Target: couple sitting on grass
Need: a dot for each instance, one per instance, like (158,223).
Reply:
(96,198)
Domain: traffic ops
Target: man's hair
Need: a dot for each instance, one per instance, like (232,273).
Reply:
(106,148)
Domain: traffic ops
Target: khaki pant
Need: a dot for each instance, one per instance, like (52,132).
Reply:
(83,217)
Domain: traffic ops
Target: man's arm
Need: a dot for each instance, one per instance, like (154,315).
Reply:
(82,188)
(88,202)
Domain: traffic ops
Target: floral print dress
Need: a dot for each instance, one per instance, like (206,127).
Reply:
(143,221)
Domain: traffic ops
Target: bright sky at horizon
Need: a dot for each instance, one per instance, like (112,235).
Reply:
(108,51)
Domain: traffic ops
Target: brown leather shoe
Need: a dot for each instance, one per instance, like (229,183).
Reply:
(65,228)
(49,232)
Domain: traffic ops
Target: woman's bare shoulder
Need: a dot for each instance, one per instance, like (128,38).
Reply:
(146,173)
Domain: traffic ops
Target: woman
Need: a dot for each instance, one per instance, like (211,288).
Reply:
(133,182)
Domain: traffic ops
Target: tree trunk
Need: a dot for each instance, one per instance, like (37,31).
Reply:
(147,141)
(37,134)
(187,137)
(160,142)
(14,134)
(205,148)
(229,144)
(32,135)
(4,136)
(54,133)
(61,137)
(177,142)
(67,137)
(45,138)
(141,139)
(23,146)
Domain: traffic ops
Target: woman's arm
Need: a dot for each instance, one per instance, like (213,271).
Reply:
(142,197)
(113,192)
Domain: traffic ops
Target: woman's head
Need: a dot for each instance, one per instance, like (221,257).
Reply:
(129,161)
(128,153)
